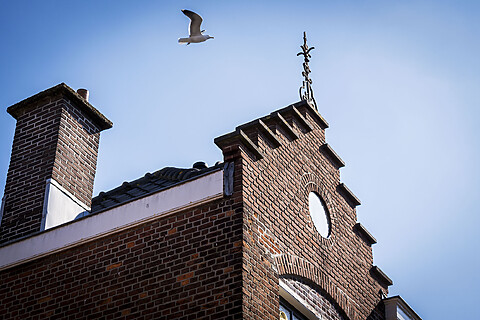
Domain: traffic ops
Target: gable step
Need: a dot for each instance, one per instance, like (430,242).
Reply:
(380,276)
(348,195)
(364,234)
(284,124)
(332,156)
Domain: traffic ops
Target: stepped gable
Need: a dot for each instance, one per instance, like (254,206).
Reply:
(269,127)
(148,184)
(283,158)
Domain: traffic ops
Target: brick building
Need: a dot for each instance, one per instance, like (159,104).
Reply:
(270,232)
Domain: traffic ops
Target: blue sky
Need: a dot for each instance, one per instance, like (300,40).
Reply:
(398,81)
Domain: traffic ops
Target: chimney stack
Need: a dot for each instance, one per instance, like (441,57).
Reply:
(83,93)
(53,161)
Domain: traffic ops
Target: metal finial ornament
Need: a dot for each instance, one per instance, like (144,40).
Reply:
(306,91)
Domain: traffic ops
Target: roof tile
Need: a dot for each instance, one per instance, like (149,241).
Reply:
(148,184)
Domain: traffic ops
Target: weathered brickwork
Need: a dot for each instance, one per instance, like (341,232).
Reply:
(314,300)
(220,260)
(53,139)
(279,236)
(378,313)
(76,154)
(185,266)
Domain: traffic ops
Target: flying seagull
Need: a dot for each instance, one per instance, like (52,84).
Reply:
(196,35)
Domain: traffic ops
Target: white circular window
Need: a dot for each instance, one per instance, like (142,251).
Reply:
(319,215)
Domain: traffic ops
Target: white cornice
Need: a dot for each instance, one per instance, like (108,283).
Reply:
(187,195)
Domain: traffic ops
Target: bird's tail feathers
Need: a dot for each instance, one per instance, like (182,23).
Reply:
(183,40)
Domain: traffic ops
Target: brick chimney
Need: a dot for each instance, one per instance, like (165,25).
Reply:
(53,161)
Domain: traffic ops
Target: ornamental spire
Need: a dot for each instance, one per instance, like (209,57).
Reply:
(306,91)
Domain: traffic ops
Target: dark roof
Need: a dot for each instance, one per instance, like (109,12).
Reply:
(62,88)
(148,184)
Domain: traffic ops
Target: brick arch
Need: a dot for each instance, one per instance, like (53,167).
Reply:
(312,182)
(300,269)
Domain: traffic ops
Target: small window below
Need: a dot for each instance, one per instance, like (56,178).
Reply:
(319,214)
(288,312)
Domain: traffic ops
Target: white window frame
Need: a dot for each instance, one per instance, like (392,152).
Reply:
(296,301)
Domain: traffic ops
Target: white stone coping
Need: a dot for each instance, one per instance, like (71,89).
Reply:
(183,196)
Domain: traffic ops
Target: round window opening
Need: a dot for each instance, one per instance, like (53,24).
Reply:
(319,215)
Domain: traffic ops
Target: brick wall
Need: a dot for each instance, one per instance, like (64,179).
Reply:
(316,300)
(280,167)
(222,260)
(53,139)
(31,164)
(76,154)
(185,266)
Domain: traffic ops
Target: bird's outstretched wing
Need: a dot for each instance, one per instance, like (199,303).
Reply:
(196,21)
